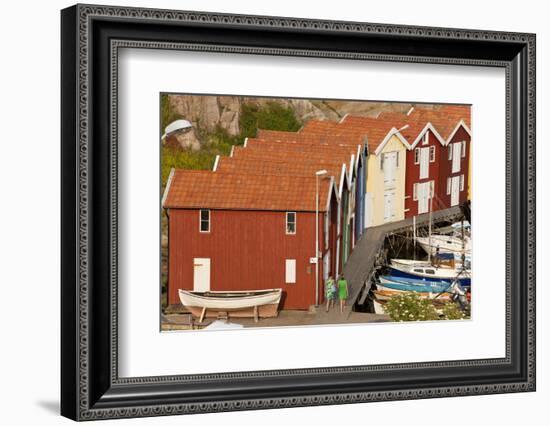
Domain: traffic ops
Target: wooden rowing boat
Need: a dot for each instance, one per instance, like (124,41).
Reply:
(237,304)
(384,294)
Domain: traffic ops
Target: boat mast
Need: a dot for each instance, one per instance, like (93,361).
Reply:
(414,237)
(463,243)
(430,227)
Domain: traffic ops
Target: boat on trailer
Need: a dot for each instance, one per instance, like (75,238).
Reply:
(236,304)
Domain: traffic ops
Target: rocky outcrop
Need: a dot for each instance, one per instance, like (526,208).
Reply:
(208,112)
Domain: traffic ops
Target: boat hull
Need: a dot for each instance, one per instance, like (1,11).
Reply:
(264,311)
(463,281)
(421,286)
(383,294)
(237,304)
(445,244)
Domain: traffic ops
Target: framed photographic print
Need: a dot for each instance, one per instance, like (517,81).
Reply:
(263,212)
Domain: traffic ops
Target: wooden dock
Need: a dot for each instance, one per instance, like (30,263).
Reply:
(362,259)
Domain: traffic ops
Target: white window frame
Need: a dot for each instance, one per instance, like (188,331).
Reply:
(384,163)
(448,186)
(457,163)
(450,151)
(432,154)
(415,193)
(287,222)
(463,149)
(426,138)
(417,156)
(209,221)
(290,271)
(461,182)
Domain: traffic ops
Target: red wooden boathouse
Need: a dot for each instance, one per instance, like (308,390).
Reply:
(438,159)
(239,231)
(453,123)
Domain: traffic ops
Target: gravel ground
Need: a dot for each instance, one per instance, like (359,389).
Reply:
(285,318)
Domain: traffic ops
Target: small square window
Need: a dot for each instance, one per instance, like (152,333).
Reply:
(204,216)
(291,223)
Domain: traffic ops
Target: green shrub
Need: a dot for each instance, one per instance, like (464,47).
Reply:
(271,116)
(186,158)
(410,307)
(451,311)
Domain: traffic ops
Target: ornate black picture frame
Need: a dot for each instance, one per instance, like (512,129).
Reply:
(91,37)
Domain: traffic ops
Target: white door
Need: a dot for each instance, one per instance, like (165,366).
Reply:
(290,271)
(388,205)
(201,274)
(368,209)
(455,190)
(457,152)
(424,162)
(390,163)
(423,196)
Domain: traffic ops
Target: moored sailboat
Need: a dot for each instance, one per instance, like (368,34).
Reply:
(445,244)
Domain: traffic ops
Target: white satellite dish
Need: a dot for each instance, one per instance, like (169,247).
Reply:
(178,126)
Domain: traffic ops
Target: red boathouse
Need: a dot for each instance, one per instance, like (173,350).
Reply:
(239,231)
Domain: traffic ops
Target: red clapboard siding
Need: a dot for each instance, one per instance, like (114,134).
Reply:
(445,169)
(247,251)
(412,175)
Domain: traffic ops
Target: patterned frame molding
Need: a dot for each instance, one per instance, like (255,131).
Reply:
(83,401)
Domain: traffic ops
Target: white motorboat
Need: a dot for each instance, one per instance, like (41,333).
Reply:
(426,271)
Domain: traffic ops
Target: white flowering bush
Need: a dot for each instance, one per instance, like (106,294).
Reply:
(410,307)
(451,311)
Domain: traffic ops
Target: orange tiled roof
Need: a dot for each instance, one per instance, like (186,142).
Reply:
(303,145)
(376,129)
(447,118)
(319,125)
(410,126)
(315,131)
(444,119)
(240,191)
(279,166)
(289,152)
(293,153)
